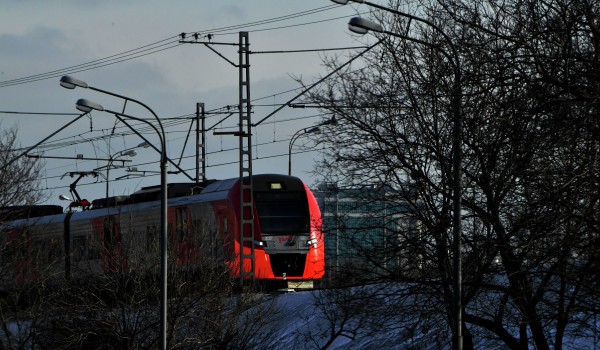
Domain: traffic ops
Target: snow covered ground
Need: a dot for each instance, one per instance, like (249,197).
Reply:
(299,324)
(370,317)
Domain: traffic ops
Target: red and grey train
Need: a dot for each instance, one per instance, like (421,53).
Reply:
(120,234)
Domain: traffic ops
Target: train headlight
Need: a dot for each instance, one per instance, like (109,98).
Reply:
(276,186)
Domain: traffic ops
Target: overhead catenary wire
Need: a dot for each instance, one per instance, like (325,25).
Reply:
(184,119)
(103,62)
(121,131)
(171,122)
(151,46)
(79,139)
(227,30)
(37,113)
(161,45)
(151,173)
(89,140)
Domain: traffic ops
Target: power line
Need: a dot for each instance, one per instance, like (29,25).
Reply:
(219,31)
(299,24)
(161,45)
(36,113)
(150,49)
(102,62)
(89,140)
(309,50)
(123,131)
(149,174)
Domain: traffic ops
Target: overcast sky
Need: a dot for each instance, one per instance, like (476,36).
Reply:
(136,43)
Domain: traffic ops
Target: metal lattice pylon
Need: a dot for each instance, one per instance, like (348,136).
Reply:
(247,263)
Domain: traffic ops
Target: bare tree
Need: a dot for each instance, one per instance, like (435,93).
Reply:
(530,159)
(20,187)
(19,181)
(116,306)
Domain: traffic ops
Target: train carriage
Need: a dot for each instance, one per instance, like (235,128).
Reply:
(120,235)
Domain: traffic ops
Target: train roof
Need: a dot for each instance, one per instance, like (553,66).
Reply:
(152,193)
(223,185)
(218,190)
(178,194)
(28,211)
(262,182)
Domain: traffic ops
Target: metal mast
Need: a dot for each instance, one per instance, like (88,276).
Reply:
(200,143)
(247,265)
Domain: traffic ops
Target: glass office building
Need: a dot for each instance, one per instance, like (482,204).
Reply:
(368,233)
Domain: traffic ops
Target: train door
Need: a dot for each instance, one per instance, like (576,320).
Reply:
(224,246)
(108,232)
(19,246)
(208,226)
(224,236)
(183,237)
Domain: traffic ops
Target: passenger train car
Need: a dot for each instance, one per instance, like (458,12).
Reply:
(121,234)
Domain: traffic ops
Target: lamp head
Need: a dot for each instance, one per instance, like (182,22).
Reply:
(314,129)
(360,25)
(130,153)
(87,105)
(69,82)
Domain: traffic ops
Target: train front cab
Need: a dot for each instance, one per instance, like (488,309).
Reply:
(288,237)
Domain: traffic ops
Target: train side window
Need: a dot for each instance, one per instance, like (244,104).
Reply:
(9,251)
(198,229)
(94,247)
(109,232)
(182,224)
(54,250)
(151,237)
(39,253)
(24,245)
(79,248)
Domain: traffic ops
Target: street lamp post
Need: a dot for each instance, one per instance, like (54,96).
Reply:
(69,82)
(130,152)
(314,129)
(87,106)
(297,134)
(362,26)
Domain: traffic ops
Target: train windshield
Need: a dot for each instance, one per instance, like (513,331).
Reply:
(282,213)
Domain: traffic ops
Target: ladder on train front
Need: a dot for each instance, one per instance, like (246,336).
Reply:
(247,261)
